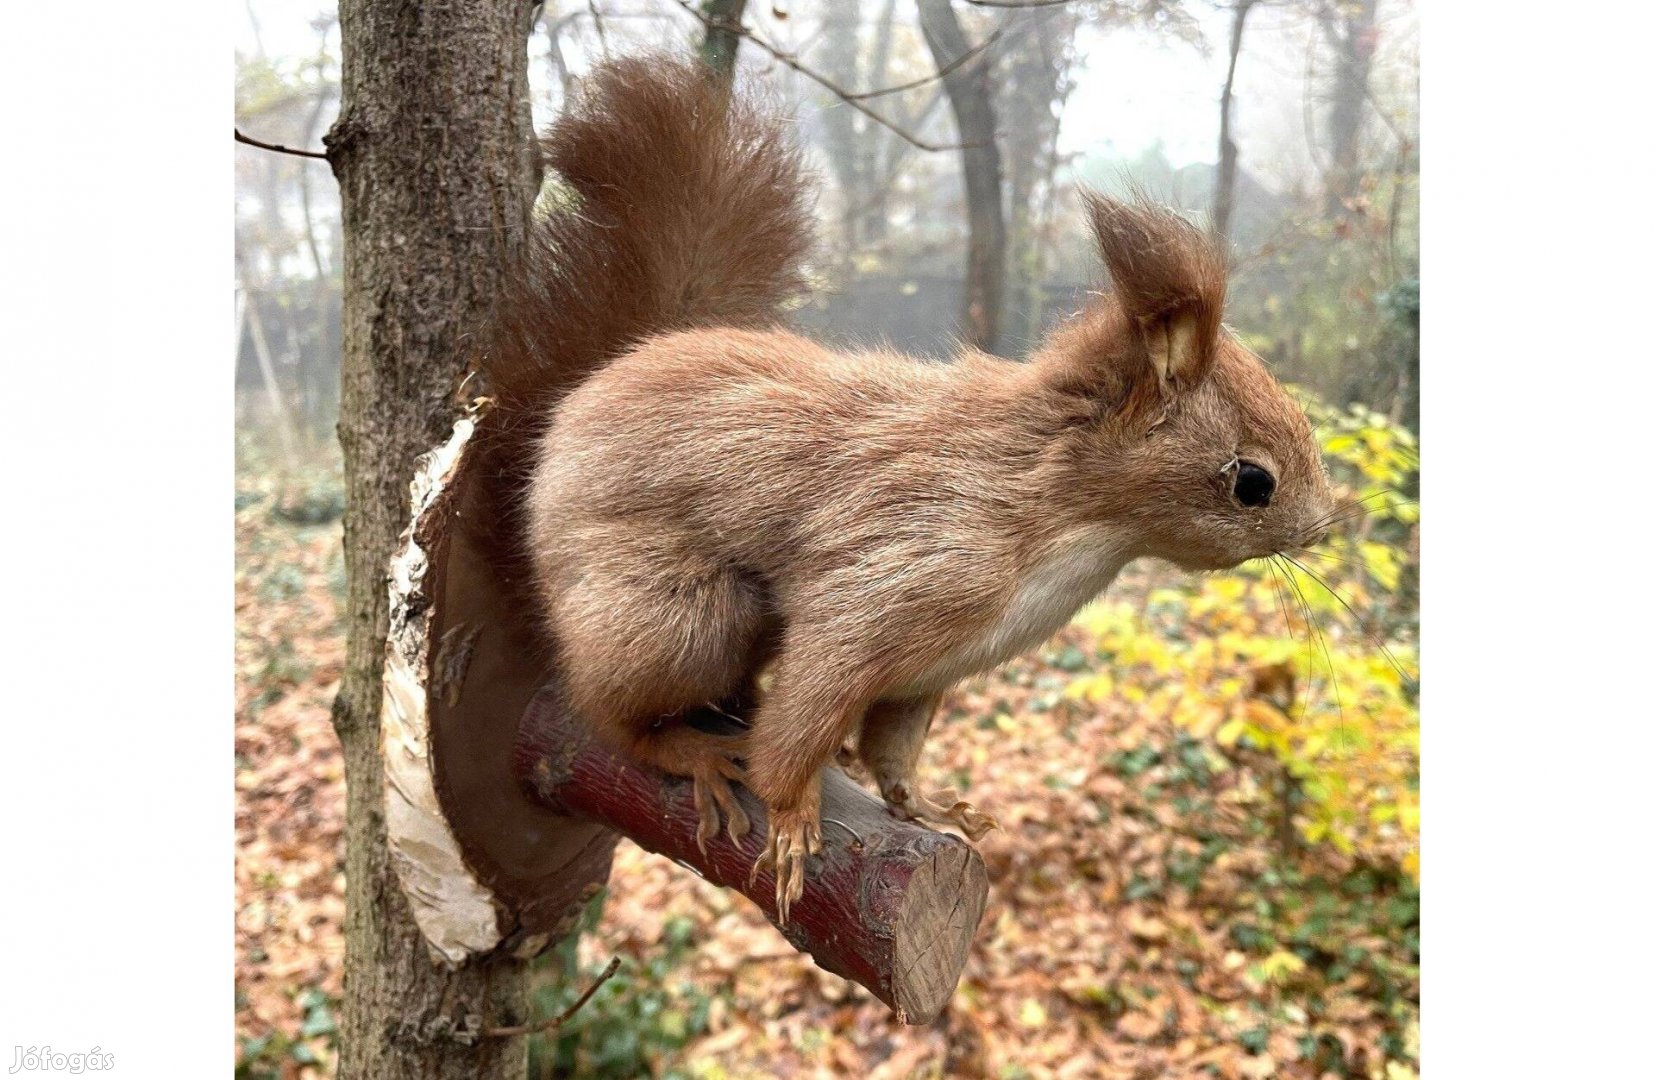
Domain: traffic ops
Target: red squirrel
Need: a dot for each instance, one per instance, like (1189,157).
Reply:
(693,494)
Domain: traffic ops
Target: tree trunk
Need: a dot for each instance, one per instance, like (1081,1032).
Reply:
(437,174)
(1224,188)
(1351,31)
(279,416)
(719,45)
(559,67)
(980,164)
(1034,84)
(875,140)
(838,59)
(313,381)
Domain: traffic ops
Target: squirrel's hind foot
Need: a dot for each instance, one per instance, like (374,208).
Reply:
(944,807)
(711,782)
(711,763)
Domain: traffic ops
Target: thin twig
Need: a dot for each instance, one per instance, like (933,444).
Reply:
(277,148)
(934,76)
(822,80)
(598,24)
(562,1018)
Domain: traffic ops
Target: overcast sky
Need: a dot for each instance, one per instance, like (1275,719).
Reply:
(1133,87)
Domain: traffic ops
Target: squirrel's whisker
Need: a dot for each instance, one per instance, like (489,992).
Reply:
(1322,641)
(1358,619)
(1354,508)
(1331,558)
(1287,622)
(1310,629)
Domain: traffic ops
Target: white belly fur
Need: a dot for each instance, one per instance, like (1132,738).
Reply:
(1079,567)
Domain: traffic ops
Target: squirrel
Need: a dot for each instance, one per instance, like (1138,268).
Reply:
(691,494)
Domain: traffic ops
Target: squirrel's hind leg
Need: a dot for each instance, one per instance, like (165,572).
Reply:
(893,733)
(813,703)
(650,631)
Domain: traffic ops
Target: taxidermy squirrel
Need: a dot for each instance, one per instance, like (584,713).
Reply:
(697,495)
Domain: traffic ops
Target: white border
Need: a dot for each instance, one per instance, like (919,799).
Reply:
(116,548)
(1537,409)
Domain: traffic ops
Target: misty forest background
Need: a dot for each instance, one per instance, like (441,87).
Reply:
(1208,787)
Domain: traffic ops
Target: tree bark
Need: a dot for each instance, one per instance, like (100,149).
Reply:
(434,156)
(980,164)
(1224,188)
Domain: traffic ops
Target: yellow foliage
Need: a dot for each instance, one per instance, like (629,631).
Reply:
(1348,735)
(1279,967)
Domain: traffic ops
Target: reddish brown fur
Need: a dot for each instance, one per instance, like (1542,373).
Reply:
(724,496)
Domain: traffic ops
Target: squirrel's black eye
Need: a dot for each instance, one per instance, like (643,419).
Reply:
(1253,485)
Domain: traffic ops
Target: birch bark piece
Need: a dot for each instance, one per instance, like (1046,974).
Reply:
(482,866)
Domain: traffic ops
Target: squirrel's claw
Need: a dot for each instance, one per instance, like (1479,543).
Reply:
(794,836)
(711,788)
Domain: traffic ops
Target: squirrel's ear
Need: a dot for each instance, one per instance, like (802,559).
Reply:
(1169,279)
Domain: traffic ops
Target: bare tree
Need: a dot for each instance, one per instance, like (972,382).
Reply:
(878,142)
(867,155)
(556,63)
(842,135)
(1035,80)
(1224,187)
(1350,29)
(437,174)
(967,85)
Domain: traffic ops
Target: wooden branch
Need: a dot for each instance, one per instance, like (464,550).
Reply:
(555,1022)
(277,147)
(939,74)
(888,904)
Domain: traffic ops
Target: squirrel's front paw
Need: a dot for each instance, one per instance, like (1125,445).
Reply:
(794,835)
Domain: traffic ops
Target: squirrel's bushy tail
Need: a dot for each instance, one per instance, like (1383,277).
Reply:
(682,205)
(677,204)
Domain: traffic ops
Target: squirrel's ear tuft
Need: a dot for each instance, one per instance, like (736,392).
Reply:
(1169,278)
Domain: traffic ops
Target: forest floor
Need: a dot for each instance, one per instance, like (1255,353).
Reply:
(1147,917)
